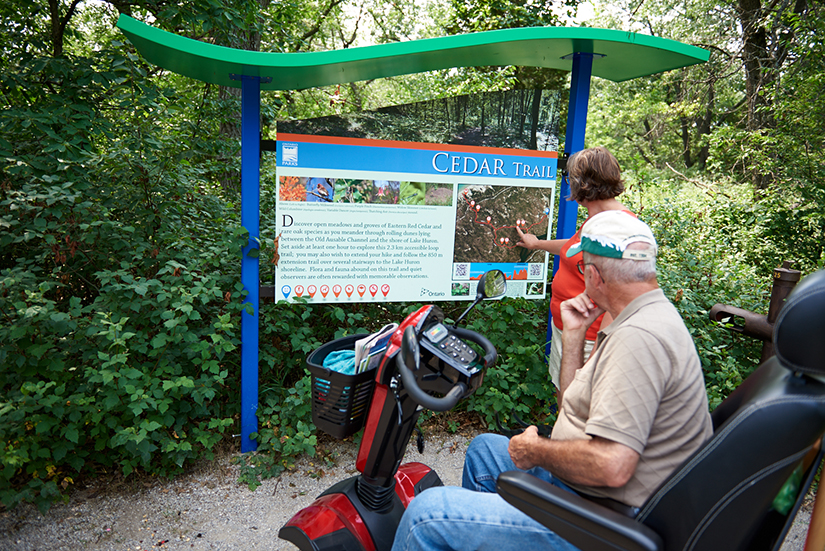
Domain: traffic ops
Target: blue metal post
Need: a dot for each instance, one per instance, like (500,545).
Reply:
(250,219)
(573,141)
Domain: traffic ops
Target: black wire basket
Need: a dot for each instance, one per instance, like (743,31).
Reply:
(340,402)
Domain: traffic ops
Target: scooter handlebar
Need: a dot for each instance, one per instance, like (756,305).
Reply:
(410,349)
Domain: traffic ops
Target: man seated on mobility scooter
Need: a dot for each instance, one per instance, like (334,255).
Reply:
(629,416)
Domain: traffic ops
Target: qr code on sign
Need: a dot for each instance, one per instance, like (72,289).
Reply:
(535,271)
(461,271)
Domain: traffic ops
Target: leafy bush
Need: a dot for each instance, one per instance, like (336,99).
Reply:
(703,260)
(119,295)
(118,292)
(519,382)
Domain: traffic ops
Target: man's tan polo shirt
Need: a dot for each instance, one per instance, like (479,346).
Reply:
(642,387)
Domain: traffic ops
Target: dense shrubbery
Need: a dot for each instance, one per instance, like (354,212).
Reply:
(699,267)
(118,288)
(519,381)
(720,245)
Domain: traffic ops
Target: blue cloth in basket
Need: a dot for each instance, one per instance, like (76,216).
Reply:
(342,361)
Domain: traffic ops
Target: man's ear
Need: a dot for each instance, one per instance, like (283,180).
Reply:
(599,281)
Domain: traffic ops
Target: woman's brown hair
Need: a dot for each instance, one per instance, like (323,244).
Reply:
(594,175)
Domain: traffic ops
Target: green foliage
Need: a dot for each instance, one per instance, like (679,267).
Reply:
(475,16)
(119,297)
(721,238)
(703,260)
(352,191)
(118,294)
(466,16)
(519,382)
(286,431)
(787,216)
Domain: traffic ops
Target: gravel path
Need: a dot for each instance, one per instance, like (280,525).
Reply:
(208,510)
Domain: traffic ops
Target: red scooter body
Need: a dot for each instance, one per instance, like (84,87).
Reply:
(335,520)
(363,512)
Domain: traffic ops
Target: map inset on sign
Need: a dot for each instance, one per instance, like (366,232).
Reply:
(486,221)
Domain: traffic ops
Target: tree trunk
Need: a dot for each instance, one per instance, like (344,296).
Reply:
(58,24)
(704,126)
(230,127)
(684,129)
(759,75)
(355,98)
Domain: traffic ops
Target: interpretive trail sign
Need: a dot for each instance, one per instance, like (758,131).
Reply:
(361,220)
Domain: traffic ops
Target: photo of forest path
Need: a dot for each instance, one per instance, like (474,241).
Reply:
(516,119)
(486,221)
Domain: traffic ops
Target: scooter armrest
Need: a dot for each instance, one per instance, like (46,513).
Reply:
(585,524)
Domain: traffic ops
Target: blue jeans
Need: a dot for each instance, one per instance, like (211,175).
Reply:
(475,517)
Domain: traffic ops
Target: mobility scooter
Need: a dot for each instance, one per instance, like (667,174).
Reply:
(426,364)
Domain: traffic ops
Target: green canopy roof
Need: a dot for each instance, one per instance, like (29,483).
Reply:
(621,55)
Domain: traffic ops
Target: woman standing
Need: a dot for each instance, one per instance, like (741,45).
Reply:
(595,182)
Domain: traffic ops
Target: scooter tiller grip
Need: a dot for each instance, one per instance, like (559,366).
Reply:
(446,402)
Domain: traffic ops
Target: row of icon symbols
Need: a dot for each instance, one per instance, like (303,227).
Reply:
(336,289)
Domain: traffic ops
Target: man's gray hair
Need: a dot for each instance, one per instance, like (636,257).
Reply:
(624,270)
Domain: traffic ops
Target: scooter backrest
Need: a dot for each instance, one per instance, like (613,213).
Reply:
(799,331)
(721,497)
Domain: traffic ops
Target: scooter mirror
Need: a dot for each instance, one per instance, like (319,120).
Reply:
(493,284)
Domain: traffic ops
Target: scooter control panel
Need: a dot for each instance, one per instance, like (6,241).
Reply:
(448,347)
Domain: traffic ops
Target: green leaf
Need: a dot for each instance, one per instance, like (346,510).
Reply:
(71,434)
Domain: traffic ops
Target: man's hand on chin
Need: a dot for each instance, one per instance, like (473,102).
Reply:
(579,313)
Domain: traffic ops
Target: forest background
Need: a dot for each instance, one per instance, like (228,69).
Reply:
(120,235)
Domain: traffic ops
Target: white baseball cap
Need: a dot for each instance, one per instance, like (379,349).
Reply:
(608,234)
